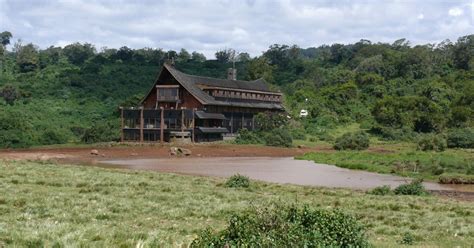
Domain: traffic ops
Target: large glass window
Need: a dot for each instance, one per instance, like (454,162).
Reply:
(167,94)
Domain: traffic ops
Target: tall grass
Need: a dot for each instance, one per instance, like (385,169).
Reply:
(43,204)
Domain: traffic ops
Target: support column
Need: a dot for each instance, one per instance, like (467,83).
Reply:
(182,119)
(192,126)
(121,125)
(162,125)
(253,122)
(141,124)
(231,122)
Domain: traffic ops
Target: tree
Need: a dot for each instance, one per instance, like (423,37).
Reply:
(243,57)
(464,52)
(5,37)
(259,68)
(9,94)
(78,53)
(27,57)
(183,55)
(198,57)
(225,55)
(124,54)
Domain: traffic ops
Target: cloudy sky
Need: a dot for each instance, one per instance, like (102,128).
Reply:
(245,25)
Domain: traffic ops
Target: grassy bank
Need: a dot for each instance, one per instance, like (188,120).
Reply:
(47,204)
(426,165)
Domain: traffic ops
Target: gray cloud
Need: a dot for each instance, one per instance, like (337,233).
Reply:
(250,26)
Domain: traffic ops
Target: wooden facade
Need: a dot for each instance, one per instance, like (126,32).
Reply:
(201,108)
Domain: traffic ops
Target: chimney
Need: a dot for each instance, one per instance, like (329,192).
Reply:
(232,74)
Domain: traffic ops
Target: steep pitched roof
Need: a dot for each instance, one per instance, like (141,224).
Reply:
(191,83)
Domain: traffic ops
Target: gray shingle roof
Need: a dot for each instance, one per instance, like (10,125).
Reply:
(191,82)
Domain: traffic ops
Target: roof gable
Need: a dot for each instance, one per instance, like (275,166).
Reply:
(191,84)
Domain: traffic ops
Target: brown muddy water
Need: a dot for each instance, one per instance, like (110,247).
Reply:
(275,170)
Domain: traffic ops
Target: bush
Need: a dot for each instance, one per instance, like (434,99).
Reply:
(298,134)
(407,239)
(50,137)
(414,188)
(237,181)
(431,142)
(282,226)
(278,137)
(352,141)
(456,179)
(388,133)
(461,138)
(248,137)
(381,190)
(100,133)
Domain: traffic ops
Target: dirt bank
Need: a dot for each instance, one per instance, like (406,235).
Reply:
(83,155)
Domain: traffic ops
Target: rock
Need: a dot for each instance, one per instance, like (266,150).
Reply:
(94,152)
(134,154)
(199,155)
(301,146)
(173,151)
(184,151)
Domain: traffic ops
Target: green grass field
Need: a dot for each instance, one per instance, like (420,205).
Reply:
(402,161)
(43,204)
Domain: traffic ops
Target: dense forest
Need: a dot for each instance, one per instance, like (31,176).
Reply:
(395,91)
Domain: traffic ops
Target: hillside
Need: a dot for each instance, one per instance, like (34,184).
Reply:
(396,91)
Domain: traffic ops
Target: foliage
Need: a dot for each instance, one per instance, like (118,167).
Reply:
(407,239)
(453,178)
(278,137)
(414,188)
(248,137)
(15,129)
(400,161)
(431,142)
(381,190)
(395,90)
(237,181)
(461,138)
(352,141)
(284,226)
(100,132)
(268,121)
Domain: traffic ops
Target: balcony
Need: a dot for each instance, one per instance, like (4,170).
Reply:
(168,98)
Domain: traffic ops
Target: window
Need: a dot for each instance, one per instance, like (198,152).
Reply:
(167,94)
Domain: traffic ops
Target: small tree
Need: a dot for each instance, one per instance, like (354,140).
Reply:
(352,141)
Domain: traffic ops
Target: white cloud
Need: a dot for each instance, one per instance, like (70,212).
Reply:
(247,26)
(455,11)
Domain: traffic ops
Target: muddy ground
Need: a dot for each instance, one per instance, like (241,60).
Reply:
(83,155)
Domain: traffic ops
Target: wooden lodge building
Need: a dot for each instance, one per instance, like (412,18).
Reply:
(198,108)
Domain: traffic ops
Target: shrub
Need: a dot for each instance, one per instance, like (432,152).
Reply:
(431,142)
(352,141)
(381,190)
(388,133)
(298,134)
(414,188)
(248,137)
(407,239)
(461,138)
(281,226)
(238,181)
(456,179)
(50,137)
(278,137)
(100,132)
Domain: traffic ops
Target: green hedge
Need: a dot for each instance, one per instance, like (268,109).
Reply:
(282,226)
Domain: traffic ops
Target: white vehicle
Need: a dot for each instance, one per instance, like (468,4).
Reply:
(303,113)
